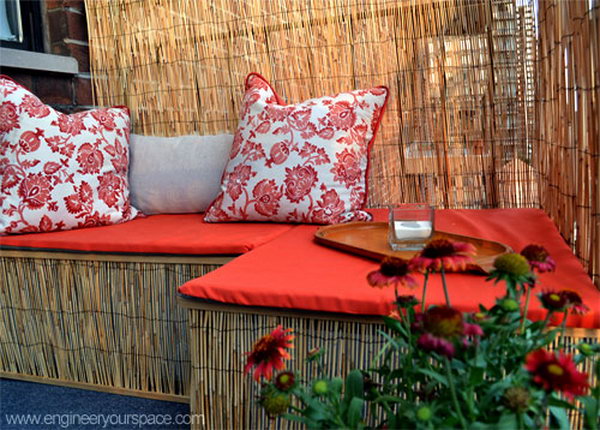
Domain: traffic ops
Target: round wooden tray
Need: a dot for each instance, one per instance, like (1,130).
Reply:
(370,239)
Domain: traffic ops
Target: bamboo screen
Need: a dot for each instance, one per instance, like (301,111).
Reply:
(456,132)
(460,129)
(568,123)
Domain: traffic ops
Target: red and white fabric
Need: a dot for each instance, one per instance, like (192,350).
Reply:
(304,163)
(59,171)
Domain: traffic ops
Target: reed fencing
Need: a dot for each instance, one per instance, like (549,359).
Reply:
(567,118)
(478,116)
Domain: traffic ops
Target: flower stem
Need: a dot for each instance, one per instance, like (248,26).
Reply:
(445,287)
(542,413)
(547,319)
(522,329)
(424,290)
(453,394)
(563,326)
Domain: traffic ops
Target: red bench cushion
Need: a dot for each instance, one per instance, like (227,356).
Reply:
(158,234)
(294,272)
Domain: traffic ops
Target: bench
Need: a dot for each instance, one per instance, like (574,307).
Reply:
(96,308)
(322,294)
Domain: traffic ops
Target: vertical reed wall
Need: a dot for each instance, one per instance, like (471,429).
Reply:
(462,127)
(456,130)
(568,123)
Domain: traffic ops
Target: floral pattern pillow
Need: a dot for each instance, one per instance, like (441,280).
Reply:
(304,163)
(59,171)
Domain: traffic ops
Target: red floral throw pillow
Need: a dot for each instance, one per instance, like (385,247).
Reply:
(304,163)
(59,171)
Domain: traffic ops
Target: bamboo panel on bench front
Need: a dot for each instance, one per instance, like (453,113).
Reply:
(109,324)
(226,398)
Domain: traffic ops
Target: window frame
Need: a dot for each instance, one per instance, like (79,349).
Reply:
(32,27)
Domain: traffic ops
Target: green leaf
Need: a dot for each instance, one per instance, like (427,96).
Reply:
(355,412)
(291,417)
(507,421)
(336,385)
(393,324)
(314,414)
(549,338)
(391,420)
(590,412)
(479,426)
(354,385)
(434,375)
(555,401)
(476,375)
(536,326)
(480,361)
(558,417)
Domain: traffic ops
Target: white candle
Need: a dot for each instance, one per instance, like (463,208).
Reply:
(412,229)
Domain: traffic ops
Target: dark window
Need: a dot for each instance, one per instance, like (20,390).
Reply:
(21,25)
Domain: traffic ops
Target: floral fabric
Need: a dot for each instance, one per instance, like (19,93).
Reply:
(304,163)
(59,171)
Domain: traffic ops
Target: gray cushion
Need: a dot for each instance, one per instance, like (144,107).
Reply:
(176,174)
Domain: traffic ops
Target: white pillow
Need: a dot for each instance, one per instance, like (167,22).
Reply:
(176,174)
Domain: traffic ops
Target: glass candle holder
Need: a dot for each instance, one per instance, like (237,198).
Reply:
(411,226)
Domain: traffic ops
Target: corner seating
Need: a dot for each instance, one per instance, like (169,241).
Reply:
(322,294)
(96,308)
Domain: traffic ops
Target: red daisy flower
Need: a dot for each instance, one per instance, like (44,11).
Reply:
(538,258)
(553,301)
(441,253)
(443,321)
(574,302)
(393,271)
(285,381)
(442,326)
(556,372)
(429,342)
(269,352)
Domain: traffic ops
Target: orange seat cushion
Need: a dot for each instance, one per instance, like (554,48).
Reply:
(157,234)
(294,272)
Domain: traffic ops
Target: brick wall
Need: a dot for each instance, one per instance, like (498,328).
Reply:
(65,34)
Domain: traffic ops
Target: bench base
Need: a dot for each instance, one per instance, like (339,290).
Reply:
(98,321)
(220,334)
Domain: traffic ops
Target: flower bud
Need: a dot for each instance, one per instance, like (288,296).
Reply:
(424,413)
(509,305)
(479,316)
(284,381)
(512,264)
(586,349)
(517,398)
(275,404)
(314,354)
(320,387)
